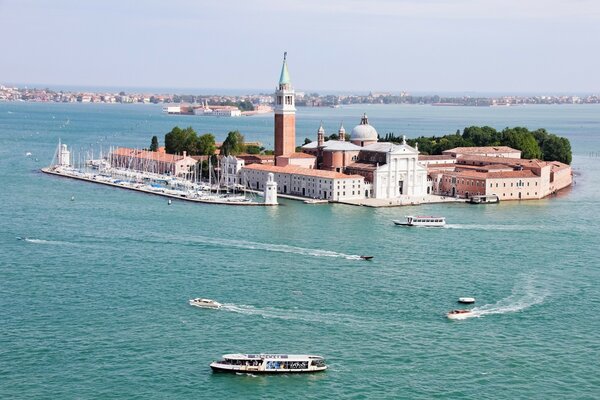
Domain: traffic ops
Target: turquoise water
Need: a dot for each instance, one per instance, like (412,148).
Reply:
(94,304)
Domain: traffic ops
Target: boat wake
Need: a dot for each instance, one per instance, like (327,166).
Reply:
(523,296)
(495,227)
(292,315)
(41,241)
(278,248)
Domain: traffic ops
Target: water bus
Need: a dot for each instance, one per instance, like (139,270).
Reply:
(269,363)
(422,221)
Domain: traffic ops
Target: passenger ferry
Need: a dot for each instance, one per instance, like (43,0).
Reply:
(269,363)
(422,221)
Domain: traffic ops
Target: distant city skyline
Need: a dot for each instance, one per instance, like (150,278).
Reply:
(426,46)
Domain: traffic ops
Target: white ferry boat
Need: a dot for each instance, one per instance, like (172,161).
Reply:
(422,221)
(204,303)
(269,363)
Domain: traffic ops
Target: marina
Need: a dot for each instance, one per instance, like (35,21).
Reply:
(126,170)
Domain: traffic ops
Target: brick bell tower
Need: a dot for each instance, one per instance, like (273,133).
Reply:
(285,114)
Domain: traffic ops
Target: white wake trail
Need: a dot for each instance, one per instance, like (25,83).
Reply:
(279,248)
(523,296)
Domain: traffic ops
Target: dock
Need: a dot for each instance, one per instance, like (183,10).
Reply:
(142,189)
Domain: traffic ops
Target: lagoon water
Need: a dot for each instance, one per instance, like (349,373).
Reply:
(94,302)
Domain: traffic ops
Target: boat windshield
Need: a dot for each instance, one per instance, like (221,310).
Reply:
(318,363)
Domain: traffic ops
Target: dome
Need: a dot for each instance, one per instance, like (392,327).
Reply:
(363,131)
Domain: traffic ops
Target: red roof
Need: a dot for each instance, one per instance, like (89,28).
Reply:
(483,149)
(298,155)
(150,155)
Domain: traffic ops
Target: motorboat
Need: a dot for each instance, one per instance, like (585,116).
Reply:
(269,363)
(460,314)
(205,303)
(367,258)
(466,300)
(421,221)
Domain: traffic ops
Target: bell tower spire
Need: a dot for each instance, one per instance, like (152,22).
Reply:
(285,114)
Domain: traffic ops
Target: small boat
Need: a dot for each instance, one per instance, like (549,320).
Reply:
(459,314)
(366,257)
(72,198)
(28,154)
(205,303)
(169,202)
(269,363)
(466,300)
(421,221)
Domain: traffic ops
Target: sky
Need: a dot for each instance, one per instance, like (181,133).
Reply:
(507,46)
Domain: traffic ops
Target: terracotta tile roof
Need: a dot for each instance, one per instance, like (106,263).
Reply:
(467,174)
(364,166)
(472,174)
(526,173)
(150,155)
(298,155)
(483,149)
(290,169)
(258,156)
(558,166)
(436,166)
(426,157)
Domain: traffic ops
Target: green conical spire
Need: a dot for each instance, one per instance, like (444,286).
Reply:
(284,79)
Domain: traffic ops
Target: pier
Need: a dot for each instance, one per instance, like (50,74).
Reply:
(138,187)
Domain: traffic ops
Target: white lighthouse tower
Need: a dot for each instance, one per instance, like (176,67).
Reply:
(271,190)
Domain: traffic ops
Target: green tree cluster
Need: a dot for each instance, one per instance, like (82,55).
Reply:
(233,144)
(179,140)
(533,144)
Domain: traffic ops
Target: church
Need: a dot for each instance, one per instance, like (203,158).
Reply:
(336,170)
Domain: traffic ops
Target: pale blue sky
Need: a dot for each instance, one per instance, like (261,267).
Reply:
(414,45)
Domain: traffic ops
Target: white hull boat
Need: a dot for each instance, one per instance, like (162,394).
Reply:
(422,221)
(466,300)
(205,303)
(460,314)
(269,363)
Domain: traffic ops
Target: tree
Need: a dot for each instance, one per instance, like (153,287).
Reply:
(205,145)
(179,140)
(557,148)
(521,139)
(253,149)
(307,141)
(154,144)
(233,144)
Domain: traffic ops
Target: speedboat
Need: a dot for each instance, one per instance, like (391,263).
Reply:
(459,314)
(269,363)
(205,303)
(367,258)
(421,221)
(466,300)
